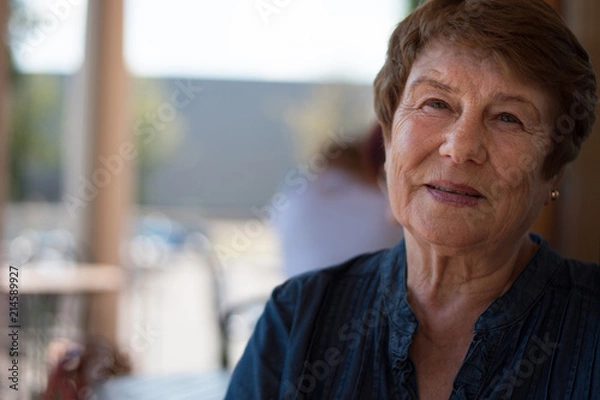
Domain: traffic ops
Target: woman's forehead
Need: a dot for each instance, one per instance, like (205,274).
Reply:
(438,51)
(451,63)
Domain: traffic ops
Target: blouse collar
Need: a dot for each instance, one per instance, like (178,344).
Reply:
(515,302)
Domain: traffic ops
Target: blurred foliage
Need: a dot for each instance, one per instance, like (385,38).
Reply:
(156,139)
(34,143)
(35,109)
(332,110)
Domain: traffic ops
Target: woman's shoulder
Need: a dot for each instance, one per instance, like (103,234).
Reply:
(580,276)
(564,274)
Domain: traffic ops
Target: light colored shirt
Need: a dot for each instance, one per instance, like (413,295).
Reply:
(332,219)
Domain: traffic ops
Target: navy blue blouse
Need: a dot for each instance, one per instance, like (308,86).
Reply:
(344,333)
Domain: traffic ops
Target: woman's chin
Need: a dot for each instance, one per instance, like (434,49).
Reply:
(457,236)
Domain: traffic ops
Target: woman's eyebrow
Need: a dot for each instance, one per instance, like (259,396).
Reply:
(431,82)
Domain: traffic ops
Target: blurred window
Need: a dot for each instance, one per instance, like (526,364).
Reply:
(272,40)
(281,40)
(48,36)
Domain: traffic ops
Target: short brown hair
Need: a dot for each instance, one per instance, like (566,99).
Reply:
(528,36)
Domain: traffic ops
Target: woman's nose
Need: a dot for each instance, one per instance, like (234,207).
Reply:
(463,141)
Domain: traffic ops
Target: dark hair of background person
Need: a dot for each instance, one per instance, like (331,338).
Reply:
(363,158)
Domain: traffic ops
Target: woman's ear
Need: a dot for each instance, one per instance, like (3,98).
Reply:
(557,180)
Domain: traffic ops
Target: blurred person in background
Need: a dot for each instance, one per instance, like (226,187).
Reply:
(343,212)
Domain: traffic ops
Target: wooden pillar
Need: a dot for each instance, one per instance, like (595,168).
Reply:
(579,222)
(106,101)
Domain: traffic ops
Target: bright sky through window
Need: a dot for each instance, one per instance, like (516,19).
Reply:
(274,40)
(55,42)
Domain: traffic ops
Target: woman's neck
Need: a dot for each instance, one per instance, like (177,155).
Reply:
(449,288)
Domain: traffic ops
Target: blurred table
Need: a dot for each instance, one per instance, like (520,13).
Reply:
(205,386)
(37,278)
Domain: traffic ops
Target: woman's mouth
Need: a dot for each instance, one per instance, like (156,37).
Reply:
(472,193)
(454,194)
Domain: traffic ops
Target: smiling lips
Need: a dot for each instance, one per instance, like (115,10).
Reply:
(455,194)
(468,192)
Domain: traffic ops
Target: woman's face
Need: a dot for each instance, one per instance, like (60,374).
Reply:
(466,150)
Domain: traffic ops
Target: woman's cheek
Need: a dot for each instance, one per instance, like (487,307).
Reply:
(406,140)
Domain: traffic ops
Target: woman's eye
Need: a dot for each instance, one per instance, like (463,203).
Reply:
(511,119)
(437,104)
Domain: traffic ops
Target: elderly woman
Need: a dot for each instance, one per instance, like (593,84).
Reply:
(482,103)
